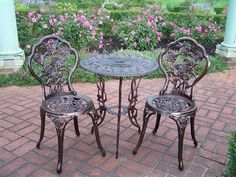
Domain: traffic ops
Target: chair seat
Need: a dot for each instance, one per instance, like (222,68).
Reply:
(171,104)
(67,104)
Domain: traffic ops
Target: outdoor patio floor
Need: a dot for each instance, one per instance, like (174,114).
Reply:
(157,157)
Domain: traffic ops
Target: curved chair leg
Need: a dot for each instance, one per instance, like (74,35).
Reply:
(193,130)
(42,116)
(146,115)
(157,123)
(94,116)
(60,136)
(181,131)
(76,126)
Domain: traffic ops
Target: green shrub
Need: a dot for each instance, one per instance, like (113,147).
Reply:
(230,170)
(123,14)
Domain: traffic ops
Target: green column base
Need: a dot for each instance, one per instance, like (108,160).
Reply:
(228,52)
(11,62)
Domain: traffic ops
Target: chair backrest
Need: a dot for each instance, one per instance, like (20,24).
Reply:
(184,62)
(52,62)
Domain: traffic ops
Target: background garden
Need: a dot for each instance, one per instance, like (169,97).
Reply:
(134,26)
(142,27)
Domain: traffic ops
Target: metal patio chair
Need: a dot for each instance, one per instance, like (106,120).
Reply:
(52,62)
(180,63)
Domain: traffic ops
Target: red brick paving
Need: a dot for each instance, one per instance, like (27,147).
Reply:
(157,157)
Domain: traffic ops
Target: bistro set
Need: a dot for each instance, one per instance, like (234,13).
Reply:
(53,61)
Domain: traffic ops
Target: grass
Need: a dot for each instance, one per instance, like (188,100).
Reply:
(230,170)
(23,77)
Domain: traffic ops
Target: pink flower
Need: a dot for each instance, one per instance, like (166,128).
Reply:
(51,22)
(43,9)
(185,31)
(172,23)
(61,17)
(30,14)
(158,39)
(214,30)
(206,30)
(34,20)
(39,16)
(148,39)
(129,23)
(82,19)
(149,23)
(100,22)
(139,19)
(199,29)
(28,46)
(133,32)
(163,24)
(160,17)
(135,44)
(45,26)
(159,34)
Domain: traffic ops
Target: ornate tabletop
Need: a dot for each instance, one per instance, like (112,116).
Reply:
(119,65)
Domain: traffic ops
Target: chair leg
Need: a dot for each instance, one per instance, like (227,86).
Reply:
(42,116)
(193,130)
(94,116)
(76,126)
(181,131)
(60,136)
(157,123)
(146,115)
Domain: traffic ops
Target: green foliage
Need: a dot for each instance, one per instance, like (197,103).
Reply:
(230,170)
(123,14)
(23,77)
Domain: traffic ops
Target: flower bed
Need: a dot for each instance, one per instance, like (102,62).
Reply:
(146,30)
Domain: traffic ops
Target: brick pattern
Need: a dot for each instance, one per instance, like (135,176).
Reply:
(157,157)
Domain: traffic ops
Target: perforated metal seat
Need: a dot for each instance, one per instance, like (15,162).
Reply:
(171,104)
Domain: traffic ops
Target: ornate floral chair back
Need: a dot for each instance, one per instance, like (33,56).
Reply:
(184,62)
(52,62)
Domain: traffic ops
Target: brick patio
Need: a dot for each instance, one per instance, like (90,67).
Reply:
(157,157)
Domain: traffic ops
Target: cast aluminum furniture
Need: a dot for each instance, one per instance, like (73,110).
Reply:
(178,62)
(119,66)
(52,62)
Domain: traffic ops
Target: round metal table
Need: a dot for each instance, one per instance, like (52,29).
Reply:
(120,66)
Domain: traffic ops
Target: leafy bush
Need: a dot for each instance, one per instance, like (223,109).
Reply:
(81,29)
(230,170)
(148,31)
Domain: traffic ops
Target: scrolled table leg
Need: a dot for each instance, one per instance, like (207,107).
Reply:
(133,96)
(101,98)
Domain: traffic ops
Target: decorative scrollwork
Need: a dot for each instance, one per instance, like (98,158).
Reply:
(119,65)
(132,111)
(66,104)
(59,121)
(181,121)
(52,62)
(179,62)
(170,103)
(101,98)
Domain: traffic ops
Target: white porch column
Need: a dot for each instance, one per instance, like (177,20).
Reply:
(228,47)
(11,56)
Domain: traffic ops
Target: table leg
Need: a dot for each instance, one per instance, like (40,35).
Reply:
(132,111)
(101,98)
(119,116)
